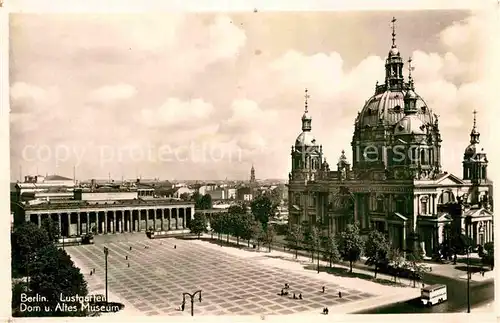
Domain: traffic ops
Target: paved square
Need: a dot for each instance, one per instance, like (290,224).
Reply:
(159,274)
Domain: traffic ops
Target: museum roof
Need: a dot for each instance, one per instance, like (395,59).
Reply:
(57,205)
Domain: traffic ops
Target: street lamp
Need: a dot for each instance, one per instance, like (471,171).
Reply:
(106,271)
(192,299)
(467,225)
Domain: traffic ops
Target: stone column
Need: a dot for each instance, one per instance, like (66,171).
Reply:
(60,223)
(130,223)
(177,218)
(105,222)
(162,214)
(79,224)
(404,235)
(39,220)
(97,222)
(154,219)
(169,213)
(88,222)
(122,224)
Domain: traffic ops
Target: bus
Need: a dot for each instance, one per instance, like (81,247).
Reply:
(433,294)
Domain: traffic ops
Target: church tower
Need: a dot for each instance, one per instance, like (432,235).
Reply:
(475,162)
(307,155)
(252,175)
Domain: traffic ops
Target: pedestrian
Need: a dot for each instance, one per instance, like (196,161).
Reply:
(326,310)
(128,264)
(482,272)
(423,285)
(130,248)
(340,294)
(182,306)
(126,257)
(175,246)
(294,297)
(282,293)
(94,270)
(300,296)
(323,289)
(91,273)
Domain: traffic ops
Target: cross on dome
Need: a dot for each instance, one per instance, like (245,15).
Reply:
(306,96)
(393,23)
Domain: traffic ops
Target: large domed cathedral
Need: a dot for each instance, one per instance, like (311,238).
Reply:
(395,183)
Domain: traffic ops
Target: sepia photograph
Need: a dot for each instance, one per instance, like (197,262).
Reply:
(257,163)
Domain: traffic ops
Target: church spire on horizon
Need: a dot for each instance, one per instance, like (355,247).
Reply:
(306,119)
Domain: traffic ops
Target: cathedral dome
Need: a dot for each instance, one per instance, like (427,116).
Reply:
(410,125)
(305,139)
(387,108)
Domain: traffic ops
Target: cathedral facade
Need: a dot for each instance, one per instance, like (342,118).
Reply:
(395,183)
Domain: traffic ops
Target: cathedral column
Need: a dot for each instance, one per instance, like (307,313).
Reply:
(122,223)
(177,218)
(40,220)
(356,208)
(59,222)
(97,222)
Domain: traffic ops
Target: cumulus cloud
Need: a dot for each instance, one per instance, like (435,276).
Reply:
(175,112)
(112,93)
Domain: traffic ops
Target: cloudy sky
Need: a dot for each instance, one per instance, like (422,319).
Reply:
(203,96)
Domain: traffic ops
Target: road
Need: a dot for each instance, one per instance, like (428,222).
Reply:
(480,292)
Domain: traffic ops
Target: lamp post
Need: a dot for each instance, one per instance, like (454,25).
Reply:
(106,271)
(467,226)
(192,299)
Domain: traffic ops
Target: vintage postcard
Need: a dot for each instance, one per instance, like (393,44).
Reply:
(256,164)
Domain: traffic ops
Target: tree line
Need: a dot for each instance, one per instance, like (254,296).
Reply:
(41,268)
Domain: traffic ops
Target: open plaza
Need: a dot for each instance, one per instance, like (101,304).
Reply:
(151,278)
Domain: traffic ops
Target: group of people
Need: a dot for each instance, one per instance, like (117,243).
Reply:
(92,271)
(284,292)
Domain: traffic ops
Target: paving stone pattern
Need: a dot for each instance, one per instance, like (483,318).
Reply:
(159,274)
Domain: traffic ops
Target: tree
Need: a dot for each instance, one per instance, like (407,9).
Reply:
(257,232)
(331,249)
(307,238)
(234,221)
(269,236)
(415,266)
(262,208)
(53,274)
(246,223)
(295,236)
(26,240)
(376,249)
(488,257)
(199,224)
(350,244)
(51,228)
(396,261)
(206,202)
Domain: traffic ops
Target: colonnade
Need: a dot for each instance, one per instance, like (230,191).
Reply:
(78,222)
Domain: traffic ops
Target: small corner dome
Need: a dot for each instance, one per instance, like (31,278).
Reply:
(410,125)
(410,94)
(473,149)
(305,139)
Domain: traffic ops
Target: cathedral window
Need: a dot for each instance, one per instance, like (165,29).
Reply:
(424,109)
(397,109)
(446,197)
(297,199)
